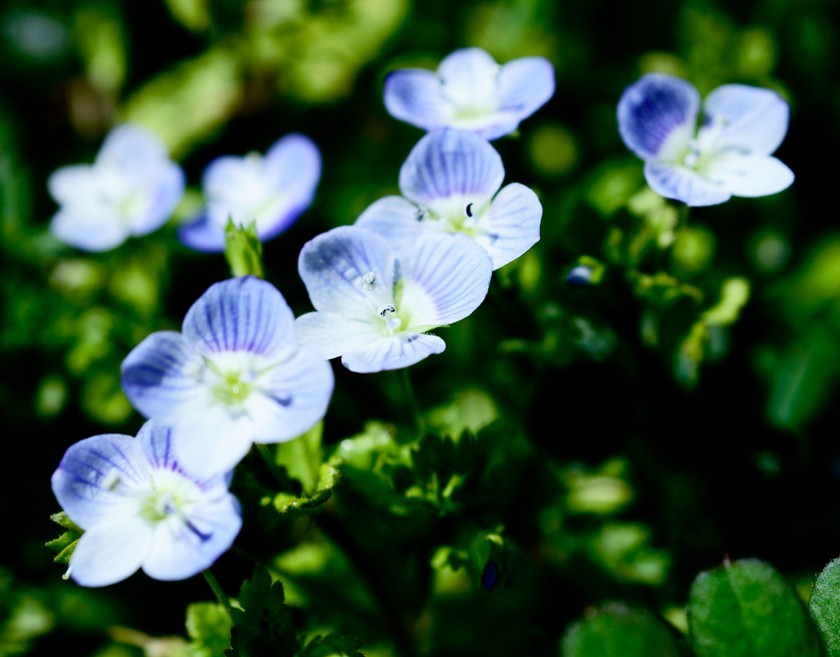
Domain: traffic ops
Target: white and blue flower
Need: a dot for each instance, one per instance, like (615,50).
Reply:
(271,191)
(449,184)
(730,154)
(131,189)
(471,91)
(375,304)
(235,375)
(140,509)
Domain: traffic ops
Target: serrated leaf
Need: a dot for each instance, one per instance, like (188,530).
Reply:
(616,630)
(208,626)
(825,607)
(747,609)
(263,627)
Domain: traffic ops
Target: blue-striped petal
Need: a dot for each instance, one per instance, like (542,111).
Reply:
(512,224)
(348,270)
(393,217)
(162,376)
(240,314)
(684,184)
(748,118)
(451,164)
(392,352)
(91,472)
(202,234)
(445,278)
(108,552)
(657,116)
(415,96)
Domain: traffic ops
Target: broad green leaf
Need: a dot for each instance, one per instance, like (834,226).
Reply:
(208,626)
(825,607)
(616,630)
(302,458)
(747,609)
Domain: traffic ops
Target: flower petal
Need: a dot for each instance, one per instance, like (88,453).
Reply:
(445,278)
(294,164)
(525,85)
(162,376)
(211,442)
(751,118)
(332,334)
(470,77)
(657,116)
(416,97)
(108,552)
(293,398)
(451,164)
(67,184)
(165,192)
(393,352)
(684,184)
(393,217)
(749,175)
(334,267)
(89,473)
(179,550)
(202,234)
(241,314)
(512,225)
(91,232)
(156,441)
(132,150)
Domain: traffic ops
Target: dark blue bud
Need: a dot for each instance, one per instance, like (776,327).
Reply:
(490,576)
(578,276)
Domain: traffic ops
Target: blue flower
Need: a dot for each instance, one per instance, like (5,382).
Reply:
(272,190)
(131,189)
(235,375)
(449,184)
(728,156)
(375,304)
(140,509)
(471,91)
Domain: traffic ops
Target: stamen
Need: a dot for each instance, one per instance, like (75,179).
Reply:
(387,308)
(393,323)
(469,210)
(66,574)
(111,480)
(369,281)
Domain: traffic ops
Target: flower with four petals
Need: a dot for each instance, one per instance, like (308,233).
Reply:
(730,154)
(141,509)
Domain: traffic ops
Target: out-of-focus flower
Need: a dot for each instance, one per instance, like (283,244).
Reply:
(272,191)
(375,304)
(471,91)
(728,156)
(234,376)
(449,184)
(140,509)
(131,189)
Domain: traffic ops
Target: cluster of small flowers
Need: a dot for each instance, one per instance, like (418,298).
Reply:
(243,370)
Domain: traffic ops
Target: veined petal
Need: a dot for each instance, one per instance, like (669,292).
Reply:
(165,192)
(133,150)
(240,314)
(445,278)
(749,175)
(451,164)
(332,334)
(525,85)
(210,443)
(512,225)
(179,550)
(416,97)
(91,474)
(293,397)
(657,116)
(162,376)
(202,234)
(108,552)
(91,232)
(470,77)
(348,270)
(393,217)
(155,439)
(684,184)
(393,352)
(748,118)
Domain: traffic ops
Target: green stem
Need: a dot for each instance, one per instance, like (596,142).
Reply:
(411,401)
(682,217)
(280,475)
(223,599)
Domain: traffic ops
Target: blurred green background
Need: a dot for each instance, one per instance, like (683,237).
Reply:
(680,410)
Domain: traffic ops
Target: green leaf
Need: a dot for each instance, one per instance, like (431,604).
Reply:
(302,458)
(825,607)
(243,250)
(66,542)
(208,626)
(747,609)
(333,645)
(616,630)
(263,626)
